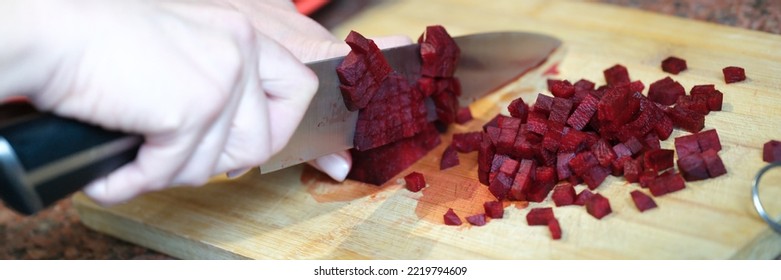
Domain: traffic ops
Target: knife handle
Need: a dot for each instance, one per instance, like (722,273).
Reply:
(44,158)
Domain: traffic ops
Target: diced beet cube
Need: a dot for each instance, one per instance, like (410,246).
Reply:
(519,109)
(686,119)
(544,179)
(617,166)
(642,201)
(451,218)
(652,141)
(449,158)
(697,103)
(493,134)
(632,170)
(500,185)
(439,52)
(543,104)
(522,182)
(658,160)
(506,140)
(715,101)
(467,142)
(702,89)
(563,194)
(673,65)
(604,152)
(555,229)
(666,183)
(598,206)
(687,145)
(362,71)
(616,75)
(617,107)
(509,166)
(562,165)
(536,124)
(582,162)
(622,150)
(583,113)
(713,163)
(552,138)
(561,88)
(494,122)
(415,182)
(733,74)
(771,151)
(646,178)
(540,216)
(709,140)
(464,115)
(476,220)
(636,87)
(584,84)
(378,165)
(560,110)
(665,91)
(445,100)
(634,145)
(595,176)
(693,167)
(573,141)
(583,197)
(494,209)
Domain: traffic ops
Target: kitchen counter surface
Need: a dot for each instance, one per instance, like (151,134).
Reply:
(57,233)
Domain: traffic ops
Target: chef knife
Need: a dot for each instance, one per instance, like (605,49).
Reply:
(44,158)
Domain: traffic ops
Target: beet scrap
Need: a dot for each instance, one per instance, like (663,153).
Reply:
(665,91)
(771,151)
(583,113)
(476,220)
(494,209)
(686,119)
(439,52)
(713,164)
(666,183)
(519,109)
(733,74)
(449,158)
(709,140)
(616,75)
(658,160)
(464,115)
(415,182)
(687,145)
(540,216)
(467,142)
(563,194)
(362,71)
(598,206)
(583,197)
(693,167)
(673,65)
(561,88)
(451,218)
(522,183)
(642,201)
(555,229)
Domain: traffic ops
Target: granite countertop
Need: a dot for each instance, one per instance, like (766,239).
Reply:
(57,232)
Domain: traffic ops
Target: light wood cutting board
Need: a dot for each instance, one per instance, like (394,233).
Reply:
(298,213)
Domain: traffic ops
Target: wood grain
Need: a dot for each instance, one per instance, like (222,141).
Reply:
(298,213)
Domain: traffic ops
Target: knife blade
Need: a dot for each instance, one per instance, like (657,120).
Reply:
(44,158)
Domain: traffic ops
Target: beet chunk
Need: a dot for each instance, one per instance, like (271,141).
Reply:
(555,229)
(500,185)
(446,99)
(362,71)
(616,75)
(666,183)
(709,140)
(583,197)
(449,158)
(439,51)
(642,201)
(598,206)
(733,74)
(522,182)
(561,88)
(476,220)
(665,91)
(540,216)
(771,151)
(415,182)
(563,194)
(673,65)
(617,107)
(451,218)
(494,209)
(467,142)
(518,109)
(686,119)
(464,115)
(658,160)
(687,145)
(713,163)
(702,89)
(693,167)
(583,113)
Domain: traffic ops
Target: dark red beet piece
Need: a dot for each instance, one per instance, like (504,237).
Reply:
(665,183)
(687,145)
(771,151)
(439,52)
(362,71)
(616,75)
(595,176)
(583,162)
(646,178)
(563,194)
(686,119)
(583,197)
(476,220)
(467,142)
(642,201)
(702,89)
(560,110)
(561,88)
(713,163)
(415,182)
(634,145)
(584,85)
(665,91)
(733,74)
(632,170)
(494,209)
(543,104)
(658,160)
(562,165)
(622,150)
(617,107)
(583,113)
(522,182)
(673,65)
(709,140)
(378,165)
(449,158)
(540,216)
(693,167)
(604,152)
(555,229)
(598,206)
(519,109)
(464,115)
(697,103)
(500,185)
(543,181)
(451,218)
(573,141)
(445,100)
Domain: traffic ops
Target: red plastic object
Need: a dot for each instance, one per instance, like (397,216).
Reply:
(771,151)
(540,216)
(598,206)
(494,209)
(451,218)
(733,74)
(673,65)
(415,182)
(476,220)
(642,201)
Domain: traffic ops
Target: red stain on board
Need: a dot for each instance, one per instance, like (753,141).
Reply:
(324,189)
(553,70)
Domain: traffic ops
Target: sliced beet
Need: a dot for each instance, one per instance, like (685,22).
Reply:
(583,197)
(563,194)
(583,113)
(584,85)
(687,145)
(702,89)
(642,201)
(709,140)
(665,183)
(476,220)
(449,158)
(632,170)
(573,141)
(451,218)
(555,229)
(634,145)
(604,152)
(771,151)
(686,119)
(494,209)
(464,115)
(665,91)
(543,181)
(563,170)
(540,216)
(733,74)
(713,164)
(697,103)
(446,101)
(693,167)
(501,185)
(583,162)
(467,142)
(598,206)
(415,182)
(622,150)
(617,107)
(595,176)
(560,110)
(543,104)
(519,109)
(673,65)
(616,75)
(658,160)
(561,88)
(439,52)
(522,183)
(362,71)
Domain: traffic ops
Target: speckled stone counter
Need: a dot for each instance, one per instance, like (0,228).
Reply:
(58,234)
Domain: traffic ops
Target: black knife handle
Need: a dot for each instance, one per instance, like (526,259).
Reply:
(44,158)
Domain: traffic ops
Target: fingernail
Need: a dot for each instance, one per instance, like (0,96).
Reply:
(237,173)
(334,165)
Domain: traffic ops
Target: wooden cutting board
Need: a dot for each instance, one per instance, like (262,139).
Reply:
(299,213)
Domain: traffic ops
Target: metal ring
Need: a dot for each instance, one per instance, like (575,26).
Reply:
(758,204)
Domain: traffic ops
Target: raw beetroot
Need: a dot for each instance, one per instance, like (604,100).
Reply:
(451,218)
(733,74)
(540,216)
(673,65)
(449,158)
(563,194)
(362,71)
(665,91)
(598,206)
(555,229)
(642,201)
(494,209)
(415,182)
(476,220)
(771,151)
